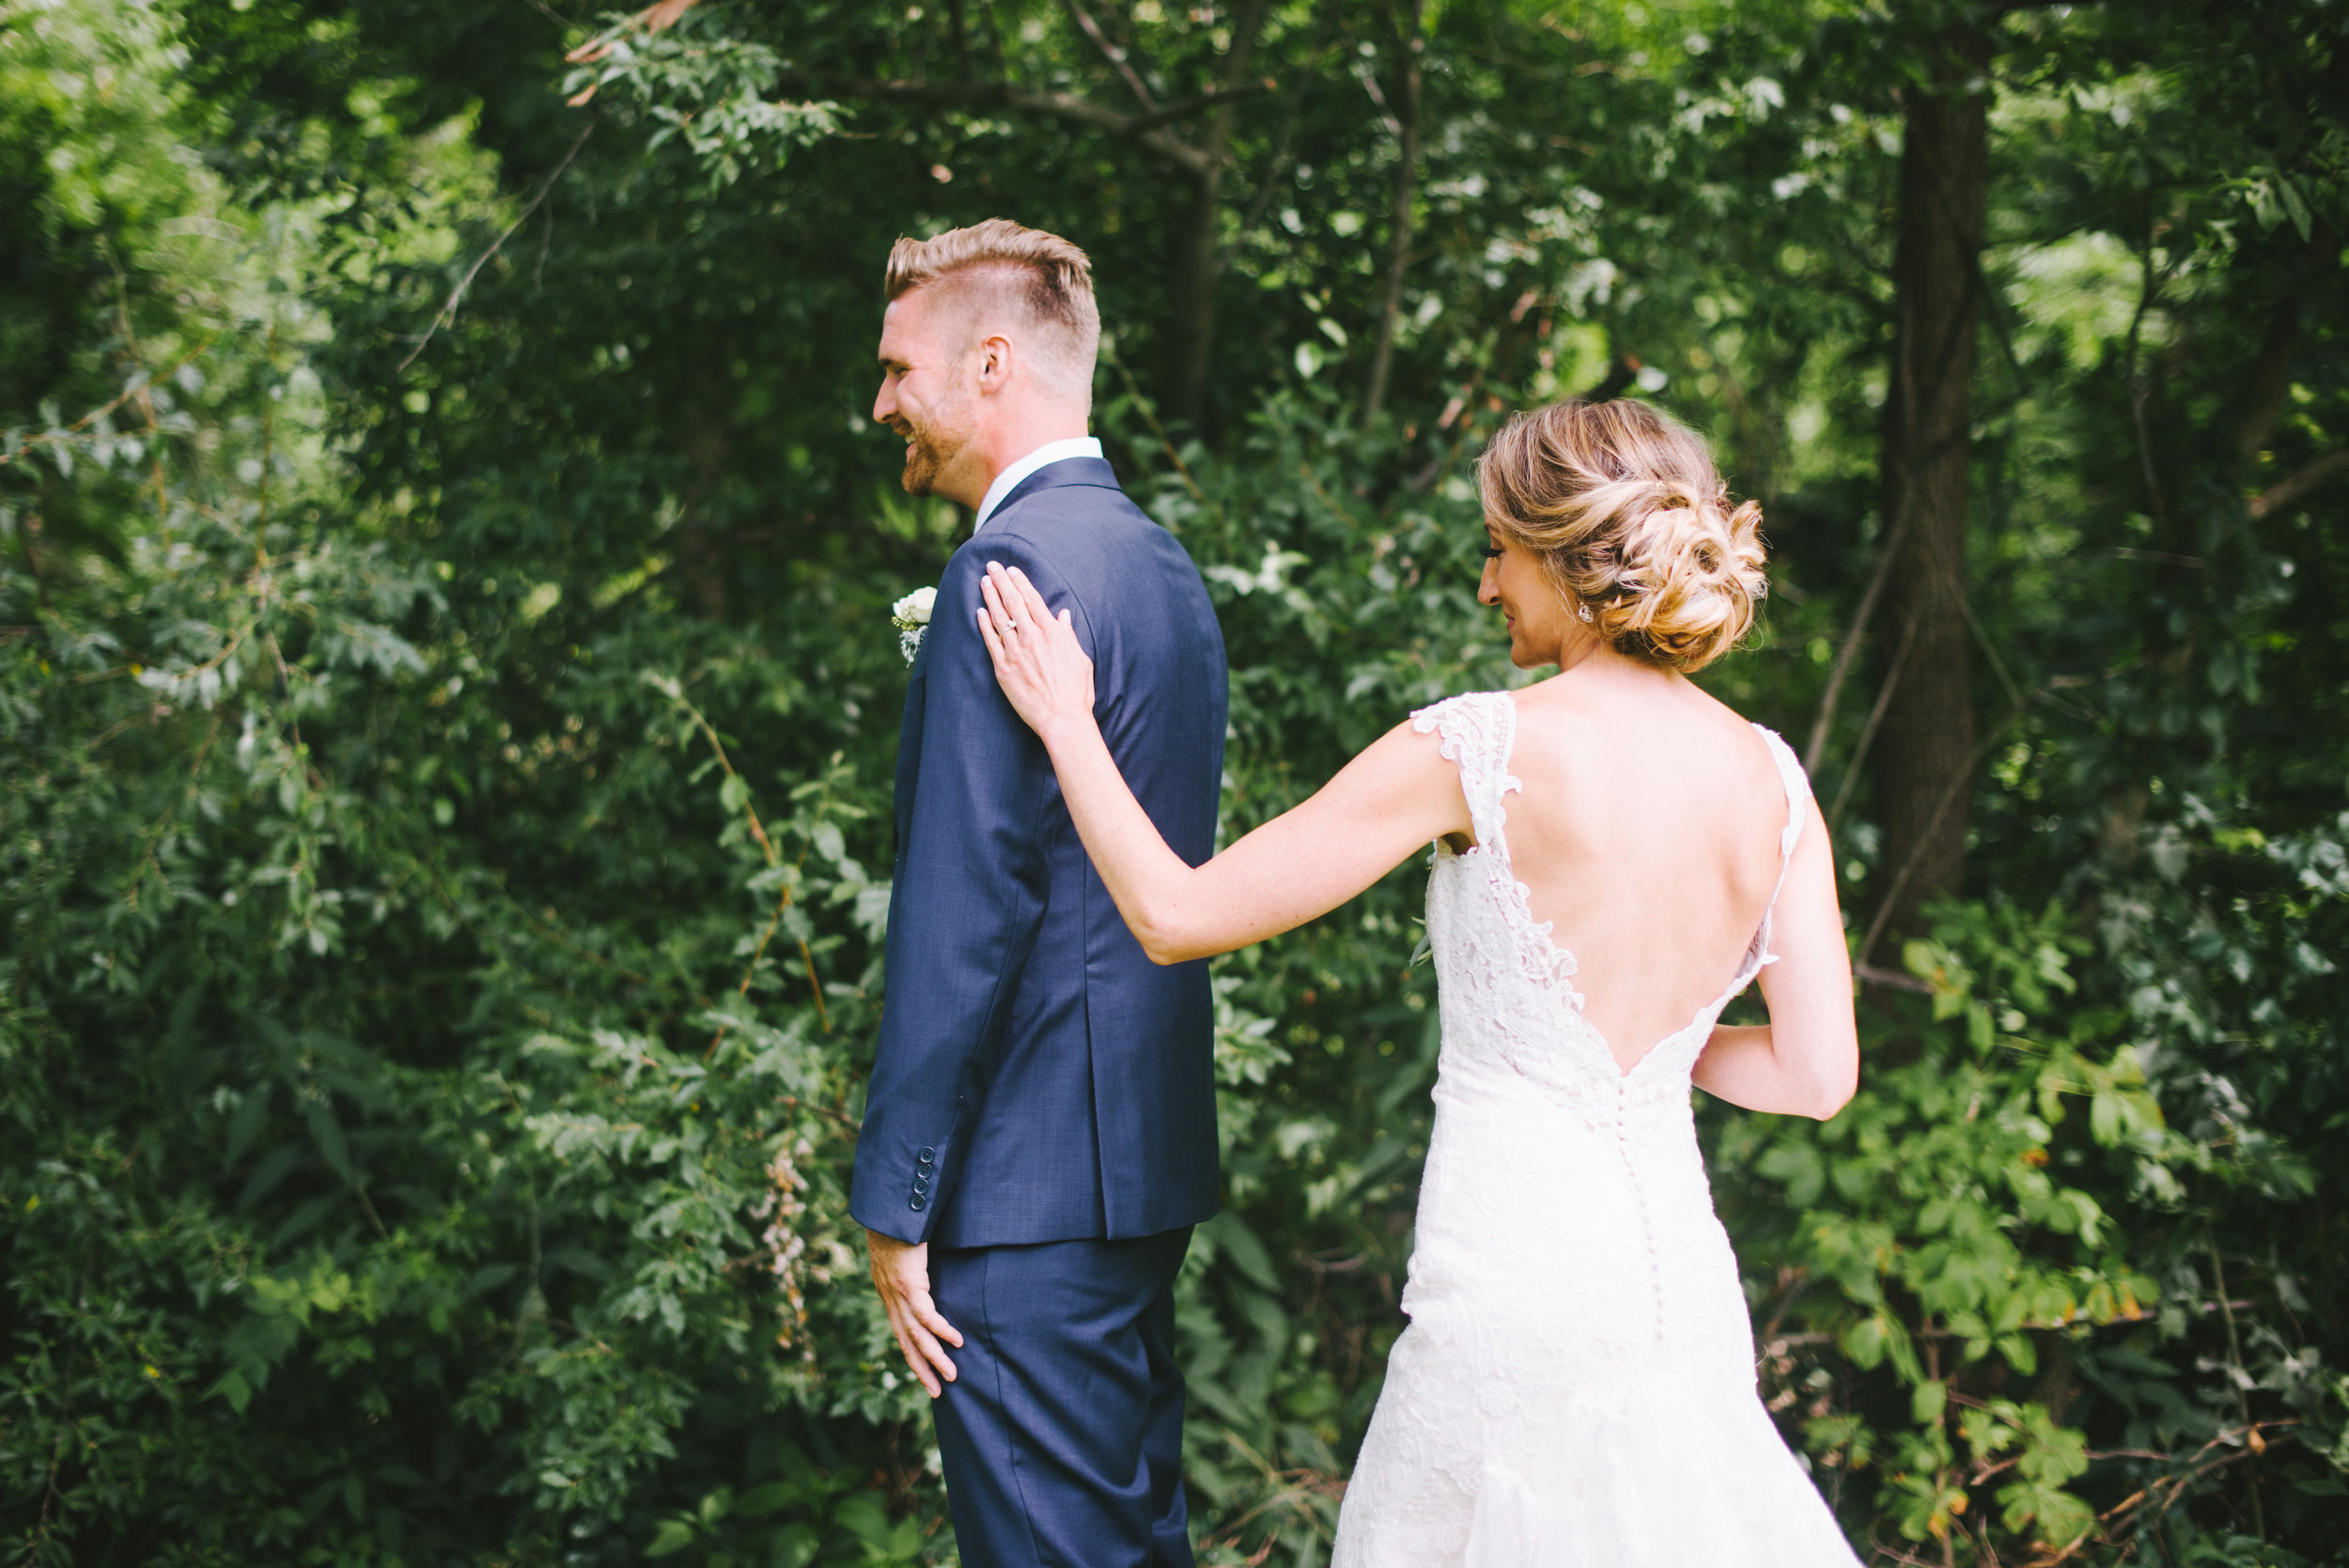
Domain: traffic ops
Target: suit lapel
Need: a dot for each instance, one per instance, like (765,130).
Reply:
(910,741)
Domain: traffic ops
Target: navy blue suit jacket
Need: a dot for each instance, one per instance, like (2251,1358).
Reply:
(1038,1078)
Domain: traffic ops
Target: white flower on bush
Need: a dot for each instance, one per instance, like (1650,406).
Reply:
(910,615)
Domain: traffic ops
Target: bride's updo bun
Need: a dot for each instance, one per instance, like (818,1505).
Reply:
(1623,507)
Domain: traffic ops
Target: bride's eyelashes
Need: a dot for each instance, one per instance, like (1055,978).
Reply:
(1492,553)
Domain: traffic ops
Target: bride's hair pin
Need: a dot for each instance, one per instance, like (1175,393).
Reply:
(1624,508)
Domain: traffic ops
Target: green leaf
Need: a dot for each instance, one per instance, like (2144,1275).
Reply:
(795,1547)
(673,1537)
(252,1113)
(773,1498)
(864,1517)
(1799,1166)
(233,1386)
(2296,208)
(1231,1235)
(328,1134)
(1865,1340)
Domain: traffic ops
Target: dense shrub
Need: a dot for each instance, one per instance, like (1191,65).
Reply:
(445,813)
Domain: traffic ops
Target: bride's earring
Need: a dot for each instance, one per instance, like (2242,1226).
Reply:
(1583,611)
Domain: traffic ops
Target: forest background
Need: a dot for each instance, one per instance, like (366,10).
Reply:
(448,702)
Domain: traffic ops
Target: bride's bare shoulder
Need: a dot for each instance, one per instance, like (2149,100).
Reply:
(1652,714)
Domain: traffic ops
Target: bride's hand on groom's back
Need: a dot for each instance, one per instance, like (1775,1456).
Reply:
(1042,668)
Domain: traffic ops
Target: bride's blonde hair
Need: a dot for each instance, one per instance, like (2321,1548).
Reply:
(1623,504)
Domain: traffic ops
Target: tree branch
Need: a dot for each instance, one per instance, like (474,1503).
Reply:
(2138,392)
(1816,747)
(1950,794)
(137,385)
(2269,386)
(1117,56)
(1145,131)
(1214,98)
(1859,758)
(2284,491)
(1403,22)
(1621,373)
(1266,187)
(448,312)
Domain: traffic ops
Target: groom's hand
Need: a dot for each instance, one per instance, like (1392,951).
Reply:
(901,1272)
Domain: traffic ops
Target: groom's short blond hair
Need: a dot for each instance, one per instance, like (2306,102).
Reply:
(1015,278)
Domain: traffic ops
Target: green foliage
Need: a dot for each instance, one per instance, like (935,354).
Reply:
(448,702)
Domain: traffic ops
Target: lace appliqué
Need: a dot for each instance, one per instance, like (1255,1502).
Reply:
(1478,731)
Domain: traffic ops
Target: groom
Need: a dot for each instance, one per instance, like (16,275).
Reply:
(1039,1132)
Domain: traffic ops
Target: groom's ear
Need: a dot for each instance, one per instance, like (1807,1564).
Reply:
(997,358)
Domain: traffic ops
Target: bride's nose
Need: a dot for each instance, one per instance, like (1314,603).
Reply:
(1488,585)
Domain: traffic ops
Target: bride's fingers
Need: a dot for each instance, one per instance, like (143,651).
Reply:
(1003,604)
(1024,595)
(1031,602)
(1013,673)
(991,590)
(1035,612)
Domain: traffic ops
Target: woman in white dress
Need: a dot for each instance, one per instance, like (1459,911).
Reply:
(1616,856)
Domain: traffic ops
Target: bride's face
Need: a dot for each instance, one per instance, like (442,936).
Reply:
(1539,623)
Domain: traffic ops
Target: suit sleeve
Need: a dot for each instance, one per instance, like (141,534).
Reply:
(966,909)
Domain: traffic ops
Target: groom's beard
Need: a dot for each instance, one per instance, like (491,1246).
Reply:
(929,449)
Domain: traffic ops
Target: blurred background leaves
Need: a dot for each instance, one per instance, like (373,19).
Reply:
(448,705)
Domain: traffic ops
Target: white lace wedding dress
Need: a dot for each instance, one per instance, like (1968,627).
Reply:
(1575,1388)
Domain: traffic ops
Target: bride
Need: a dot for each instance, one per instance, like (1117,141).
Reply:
(1617,855)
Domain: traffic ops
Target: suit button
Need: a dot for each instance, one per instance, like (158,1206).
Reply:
(920,1202)
(926,1155)
(921,1184)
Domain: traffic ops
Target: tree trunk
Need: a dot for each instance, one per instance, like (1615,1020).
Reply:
(1405,22)
(1197,258)
(1191,316)
(1927,739)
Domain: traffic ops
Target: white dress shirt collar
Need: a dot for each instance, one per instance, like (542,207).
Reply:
(1050,452)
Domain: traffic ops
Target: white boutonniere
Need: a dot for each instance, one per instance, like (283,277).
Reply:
(910,615)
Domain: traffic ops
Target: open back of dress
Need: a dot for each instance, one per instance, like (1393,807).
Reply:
(1575,1388)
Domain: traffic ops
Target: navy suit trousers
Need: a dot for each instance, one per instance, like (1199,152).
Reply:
(1063,1429)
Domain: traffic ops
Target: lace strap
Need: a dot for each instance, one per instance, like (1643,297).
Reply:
(1479,730)
(1798,785)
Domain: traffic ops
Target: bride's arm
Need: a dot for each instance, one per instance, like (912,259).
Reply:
(1805,1061)
(1398,795)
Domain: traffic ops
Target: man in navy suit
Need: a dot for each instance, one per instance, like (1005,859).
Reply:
(1039,1131)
